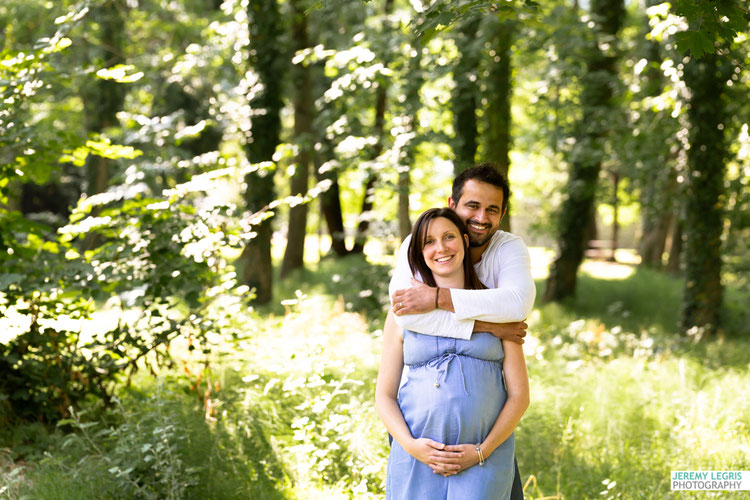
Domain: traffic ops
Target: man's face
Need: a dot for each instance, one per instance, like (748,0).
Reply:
(480,207)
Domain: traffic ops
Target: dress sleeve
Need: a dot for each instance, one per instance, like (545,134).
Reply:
(437,322)
(513,298)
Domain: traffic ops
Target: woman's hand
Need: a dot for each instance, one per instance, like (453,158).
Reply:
(466,457)
(433,454)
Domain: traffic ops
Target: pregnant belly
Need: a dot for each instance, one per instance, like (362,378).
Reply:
(461,409)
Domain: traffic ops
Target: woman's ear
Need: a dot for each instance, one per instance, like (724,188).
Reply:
(466,239)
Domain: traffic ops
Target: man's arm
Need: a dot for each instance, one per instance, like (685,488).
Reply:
(437,322)
(511,300)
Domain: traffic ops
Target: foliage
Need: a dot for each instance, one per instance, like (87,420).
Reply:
(106,291)
(155,443)
(142,458)
(711,24)
(360,285)
(160,264)
(614,407)
(149,248)
(327,420)
(718,21)
(30,148)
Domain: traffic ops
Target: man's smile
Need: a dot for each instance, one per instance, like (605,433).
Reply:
(478,227)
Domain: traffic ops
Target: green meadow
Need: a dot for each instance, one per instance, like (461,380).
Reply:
(287,409)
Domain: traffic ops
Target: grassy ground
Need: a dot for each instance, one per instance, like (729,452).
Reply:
(618,400)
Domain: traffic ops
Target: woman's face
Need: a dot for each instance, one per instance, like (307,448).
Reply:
(443,248)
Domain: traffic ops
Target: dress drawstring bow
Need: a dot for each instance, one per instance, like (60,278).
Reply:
(442,362)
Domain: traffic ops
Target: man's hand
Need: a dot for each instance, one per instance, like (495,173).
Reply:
(515,332)
(464,456)
(418,299)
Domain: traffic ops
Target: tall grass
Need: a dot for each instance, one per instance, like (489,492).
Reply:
(618,400)
(613,424)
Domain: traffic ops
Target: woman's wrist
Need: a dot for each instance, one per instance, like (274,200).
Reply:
(486,450)
(408,445)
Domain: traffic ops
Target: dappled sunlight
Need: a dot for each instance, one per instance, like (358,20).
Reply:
(607,270)
(624,267)
(319,363)
(312,326)
(540,261)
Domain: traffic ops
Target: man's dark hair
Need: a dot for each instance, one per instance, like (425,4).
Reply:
(484,172)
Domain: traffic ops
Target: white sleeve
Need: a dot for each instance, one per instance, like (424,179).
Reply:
(513,298)
(438,322)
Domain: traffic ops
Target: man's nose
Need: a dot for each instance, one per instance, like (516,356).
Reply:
(481,216)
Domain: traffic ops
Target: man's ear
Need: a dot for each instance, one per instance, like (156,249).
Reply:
(451,204)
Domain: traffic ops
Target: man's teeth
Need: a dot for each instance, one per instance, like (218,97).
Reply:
(477,226)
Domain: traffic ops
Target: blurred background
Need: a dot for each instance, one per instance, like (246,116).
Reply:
(200,203)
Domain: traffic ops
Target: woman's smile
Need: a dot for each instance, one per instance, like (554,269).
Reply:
(444,259)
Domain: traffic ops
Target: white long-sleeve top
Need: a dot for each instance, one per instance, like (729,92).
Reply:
(505,268)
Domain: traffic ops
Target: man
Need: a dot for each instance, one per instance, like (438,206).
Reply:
(480,198)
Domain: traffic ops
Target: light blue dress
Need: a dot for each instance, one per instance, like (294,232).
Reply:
(453,394)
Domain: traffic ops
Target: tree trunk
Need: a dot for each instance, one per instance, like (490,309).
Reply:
(674,265)
(596,100)
(704,195)
(615,221)
(658,212)
(659,184)
(330,201)
(103,99)
(303,118)
(499,92)
(412,104)
(268,60)
(380,102)
(465,93)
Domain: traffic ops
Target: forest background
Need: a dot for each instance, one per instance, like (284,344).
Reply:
(200,201)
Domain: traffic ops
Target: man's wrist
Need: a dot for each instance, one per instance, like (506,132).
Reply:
(444,300)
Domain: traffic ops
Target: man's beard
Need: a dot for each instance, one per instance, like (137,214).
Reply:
(478,241)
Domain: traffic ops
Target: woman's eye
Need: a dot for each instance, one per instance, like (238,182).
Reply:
(449,236)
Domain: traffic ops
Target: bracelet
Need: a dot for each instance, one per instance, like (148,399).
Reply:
(481,455)
(437,296)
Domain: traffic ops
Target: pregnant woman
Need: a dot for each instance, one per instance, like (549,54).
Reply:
(453,419)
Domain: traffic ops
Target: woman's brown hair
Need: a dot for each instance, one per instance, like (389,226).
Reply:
(416,259)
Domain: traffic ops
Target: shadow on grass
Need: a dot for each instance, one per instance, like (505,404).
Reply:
(644,300)
(159,446)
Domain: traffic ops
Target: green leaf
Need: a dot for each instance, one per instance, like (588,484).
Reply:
(112,151)
(9,279)
(120,73)
(695,42)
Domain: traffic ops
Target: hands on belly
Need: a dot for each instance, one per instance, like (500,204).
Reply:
(447,460)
